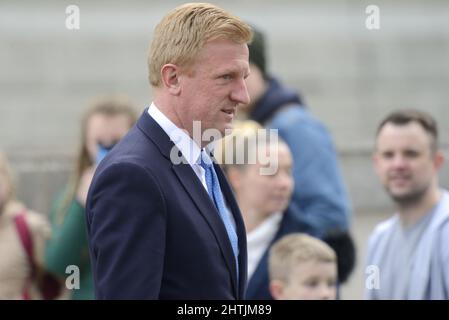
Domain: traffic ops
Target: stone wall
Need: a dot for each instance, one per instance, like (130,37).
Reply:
(350,76)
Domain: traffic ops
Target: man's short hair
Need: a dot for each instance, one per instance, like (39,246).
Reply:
(257,52)
(183,32)
(296,248)
(404,117)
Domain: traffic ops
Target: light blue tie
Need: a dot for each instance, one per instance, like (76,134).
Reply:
(213,187)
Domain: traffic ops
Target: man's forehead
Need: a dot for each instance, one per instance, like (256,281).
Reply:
(409,126)
(393,131)
(410,136)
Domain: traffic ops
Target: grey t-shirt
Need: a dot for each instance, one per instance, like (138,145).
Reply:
(399,259)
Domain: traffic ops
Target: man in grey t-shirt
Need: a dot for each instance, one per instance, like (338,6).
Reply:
(405,257)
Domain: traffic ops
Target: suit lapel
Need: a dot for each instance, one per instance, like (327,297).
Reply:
(240,228)
(198,194)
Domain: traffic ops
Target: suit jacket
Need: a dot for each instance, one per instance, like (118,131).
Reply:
(154,232)
(258,285)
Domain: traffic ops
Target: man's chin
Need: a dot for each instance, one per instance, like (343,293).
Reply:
(227,129)
(406,198)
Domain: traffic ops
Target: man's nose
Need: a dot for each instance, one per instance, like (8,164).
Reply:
(398,161)
(327,292)
(240,93)
(285,181)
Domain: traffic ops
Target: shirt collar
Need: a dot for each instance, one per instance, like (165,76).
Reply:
(264,232)
(189,149)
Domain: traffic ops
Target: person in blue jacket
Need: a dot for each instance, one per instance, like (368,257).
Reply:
(319,196)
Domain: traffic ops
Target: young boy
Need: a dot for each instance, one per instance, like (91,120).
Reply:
(302,267)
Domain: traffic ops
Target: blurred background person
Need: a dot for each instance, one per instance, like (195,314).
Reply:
(349,76)
(409,250)
(106,121)
(319,196)
(302,267)
(23,234)
(263,198)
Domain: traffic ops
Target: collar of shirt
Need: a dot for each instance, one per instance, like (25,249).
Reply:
(259,240)
(189,149)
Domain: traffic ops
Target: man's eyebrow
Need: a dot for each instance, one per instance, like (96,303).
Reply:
(228,70)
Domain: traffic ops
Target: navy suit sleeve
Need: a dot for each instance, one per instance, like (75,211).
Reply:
(127,225)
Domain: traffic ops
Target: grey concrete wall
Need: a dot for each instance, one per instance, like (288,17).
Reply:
(350,76)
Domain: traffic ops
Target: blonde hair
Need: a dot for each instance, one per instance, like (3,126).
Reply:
(233,146)
(6,171)
(296,248)
(114,105)
(237,146)
(182,33)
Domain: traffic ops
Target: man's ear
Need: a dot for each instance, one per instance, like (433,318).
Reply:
(276,289)
(375,158)
(170,78)
(438,160)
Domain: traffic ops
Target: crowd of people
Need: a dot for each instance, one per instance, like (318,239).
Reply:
(218,225)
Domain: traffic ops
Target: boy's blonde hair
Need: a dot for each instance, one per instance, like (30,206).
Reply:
(296,248)
(182,33)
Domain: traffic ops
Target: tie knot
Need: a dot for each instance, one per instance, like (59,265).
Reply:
(205,161)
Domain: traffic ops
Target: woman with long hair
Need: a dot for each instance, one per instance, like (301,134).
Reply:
(103,125)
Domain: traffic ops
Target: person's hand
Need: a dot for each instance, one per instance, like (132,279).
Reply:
(83,187)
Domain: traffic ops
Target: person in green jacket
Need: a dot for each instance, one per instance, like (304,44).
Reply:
(106,121)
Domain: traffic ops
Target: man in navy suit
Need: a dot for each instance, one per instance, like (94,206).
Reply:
(161,223)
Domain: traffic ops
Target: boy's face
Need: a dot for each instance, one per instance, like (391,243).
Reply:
(311,280)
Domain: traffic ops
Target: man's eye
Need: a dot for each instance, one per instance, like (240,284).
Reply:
(387,155)
(312,283)
(332,283)
(411,154)
(226,76)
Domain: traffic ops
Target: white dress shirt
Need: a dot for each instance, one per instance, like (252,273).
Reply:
(260,238)
(189,149)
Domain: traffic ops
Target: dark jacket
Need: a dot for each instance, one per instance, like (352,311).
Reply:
(153,230)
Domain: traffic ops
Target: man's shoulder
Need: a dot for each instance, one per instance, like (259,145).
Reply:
(296,117)
(135,147)
(292,110)
(135,154)
(383,229)
(441,216)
